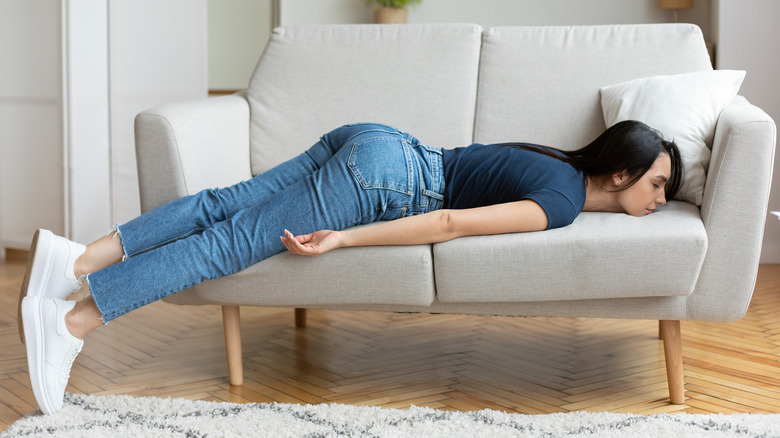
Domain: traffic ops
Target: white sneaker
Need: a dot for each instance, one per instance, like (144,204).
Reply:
(51,349)
(50,269)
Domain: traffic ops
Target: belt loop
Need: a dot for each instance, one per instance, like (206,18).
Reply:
(433,194)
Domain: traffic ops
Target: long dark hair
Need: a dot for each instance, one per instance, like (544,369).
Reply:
(629,145)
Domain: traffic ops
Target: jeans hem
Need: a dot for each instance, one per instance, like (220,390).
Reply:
(103,317)
(118,233)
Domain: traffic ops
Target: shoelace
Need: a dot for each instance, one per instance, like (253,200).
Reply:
(68,363)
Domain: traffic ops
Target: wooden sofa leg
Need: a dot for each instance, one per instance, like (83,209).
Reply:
(670,332)
(231,320)
(300,317)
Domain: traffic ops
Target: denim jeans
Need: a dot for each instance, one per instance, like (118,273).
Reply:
(354,175)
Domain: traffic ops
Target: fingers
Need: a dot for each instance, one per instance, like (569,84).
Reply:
(316,243)
(303,238)
(295,244)
(289,242)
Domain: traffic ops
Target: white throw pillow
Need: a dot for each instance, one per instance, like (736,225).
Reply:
(684,107)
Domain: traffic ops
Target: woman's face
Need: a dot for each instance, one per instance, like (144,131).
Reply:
(644,196)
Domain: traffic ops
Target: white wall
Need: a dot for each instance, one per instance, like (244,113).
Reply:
(31,156)
(749,39)
(237,32)
(74,75)
(157,55)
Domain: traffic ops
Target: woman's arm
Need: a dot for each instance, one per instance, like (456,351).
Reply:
(436,226)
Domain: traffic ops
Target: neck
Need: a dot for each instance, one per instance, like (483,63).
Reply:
(599,199)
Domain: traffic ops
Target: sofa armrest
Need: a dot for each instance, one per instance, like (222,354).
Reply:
(185,147)
(734,209)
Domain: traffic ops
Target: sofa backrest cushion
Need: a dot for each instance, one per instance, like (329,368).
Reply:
(541,84)
(311,79)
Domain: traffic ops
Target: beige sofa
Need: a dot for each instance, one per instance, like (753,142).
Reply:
(452,85)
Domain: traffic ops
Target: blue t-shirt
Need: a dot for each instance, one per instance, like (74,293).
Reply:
(481,175)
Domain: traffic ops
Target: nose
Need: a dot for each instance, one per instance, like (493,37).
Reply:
(661,199)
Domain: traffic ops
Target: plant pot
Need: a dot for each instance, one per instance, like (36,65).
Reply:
(384,15)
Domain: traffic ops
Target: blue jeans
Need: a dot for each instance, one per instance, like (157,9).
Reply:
(354,175)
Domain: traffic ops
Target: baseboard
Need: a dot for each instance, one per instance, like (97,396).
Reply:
(770,254)
(11,244)
(213,93)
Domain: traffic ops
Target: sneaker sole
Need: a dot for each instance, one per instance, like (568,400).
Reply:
(39,258)
(33,328)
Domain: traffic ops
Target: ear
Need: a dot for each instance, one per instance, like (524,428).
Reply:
(619,178)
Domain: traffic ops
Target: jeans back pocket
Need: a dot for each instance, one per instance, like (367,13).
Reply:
(382,162)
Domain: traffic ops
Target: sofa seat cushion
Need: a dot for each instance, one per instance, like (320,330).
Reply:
(600,255)
(391,275)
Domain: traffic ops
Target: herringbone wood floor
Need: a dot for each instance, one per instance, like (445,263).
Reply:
(527,365)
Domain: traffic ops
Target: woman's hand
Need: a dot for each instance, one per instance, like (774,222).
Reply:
(312,244)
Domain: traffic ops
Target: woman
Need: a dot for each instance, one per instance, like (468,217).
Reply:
(355,174)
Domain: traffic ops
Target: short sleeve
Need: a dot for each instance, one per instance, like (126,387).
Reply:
(560,210)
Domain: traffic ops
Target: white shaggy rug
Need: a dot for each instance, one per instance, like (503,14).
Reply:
(122,416)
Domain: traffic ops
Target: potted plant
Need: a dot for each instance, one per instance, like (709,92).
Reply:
(391,11)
